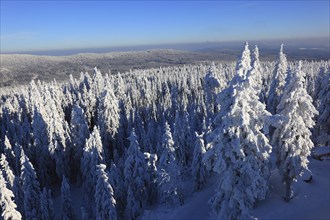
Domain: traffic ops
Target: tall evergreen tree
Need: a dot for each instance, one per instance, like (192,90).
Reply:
(7,205)
(169,171)
(92,156)
(292,138)
(108,120)
(198,167)
(31,189)
(66,201)
(322,128)
(256,74)
(182,139)
(8,152)
(104,196)
(211,87)
(135,174)
(243,65)
(118,184)
(41,143)
(278,82)
(79,134)
(168,155)
(7,172)
(152,173)
(17,186)
(239,150)
(46,205)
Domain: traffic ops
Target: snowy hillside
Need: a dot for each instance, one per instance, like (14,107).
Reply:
(209,140)
(20,69)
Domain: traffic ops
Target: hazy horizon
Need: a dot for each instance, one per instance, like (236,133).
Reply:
(296,44)
(29,26)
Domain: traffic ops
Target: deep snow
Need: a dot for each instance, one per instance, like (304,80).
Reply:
(311,201)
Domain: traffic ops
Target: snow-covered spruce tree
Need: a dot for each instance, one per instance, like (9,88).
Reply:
(46,205)
(41,142)
(243,66)
(178,138)
(182,139)
(17,166)
(7,172)
(124,104)
(66,202)
(166,101)
(211,85)
(53,131)
(239,151)
(13,182)
(117,182)
(322,128)
(148,139)
(58,154)
(168,154)
(139,128)
(8,151)
(292,138)
(79,133)
(278,82)
(226,96)
(108,120)
(119,87)
(7,205)
(17,187)
(225,99)
(98,82)
(198,167)
(152,182)
(61,143)
(256,71)
(136,177)
(169,171)
(10,126)
(104,196)
(31,189)
(88,99)
(92,156)
(19,195)
(25,126)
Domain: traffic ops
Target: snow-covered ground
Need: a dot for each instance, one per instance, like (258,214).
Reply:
(311,201)
(195,207)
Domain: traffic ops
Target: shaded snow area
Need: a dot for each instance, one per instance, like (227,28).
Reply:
(311,200)
(195,207)
(76,196)
(321,153)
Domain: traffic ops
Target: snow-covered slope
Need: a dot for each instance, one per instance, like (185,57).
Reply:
(195,207)
(312,200)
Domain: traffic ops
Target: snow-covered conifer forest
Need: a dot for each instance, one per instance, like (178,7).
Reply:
(111,146)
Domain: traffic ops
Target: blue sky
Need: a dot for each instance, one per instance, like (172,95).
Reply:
(49,25)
